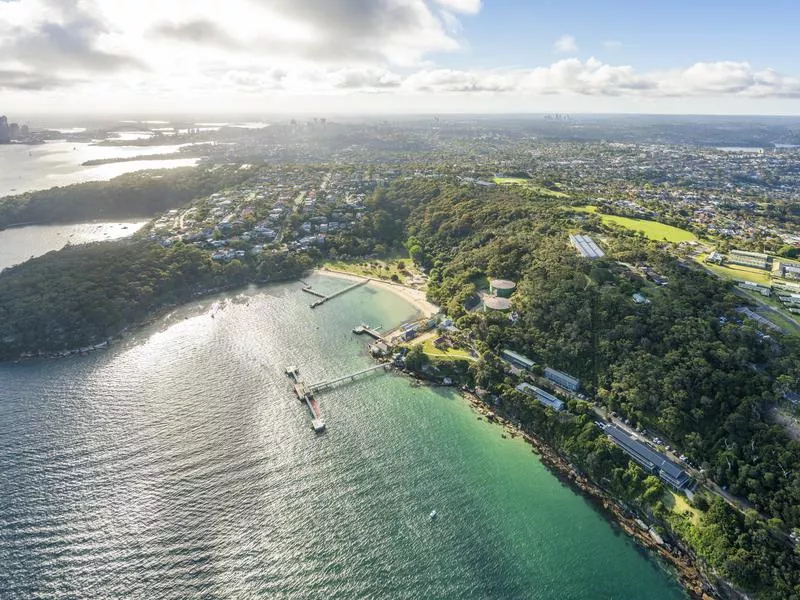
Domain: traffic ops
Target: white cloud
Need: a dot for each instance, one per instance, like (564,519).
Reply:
(156,53)
(594,78)
(462,6)
(566,44)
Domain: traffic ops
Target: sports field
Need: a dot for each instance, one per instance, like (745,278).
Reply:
(542,191)
(652,229)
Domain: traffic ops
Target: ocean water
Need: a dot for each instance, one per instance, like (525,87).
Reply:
(25,168)
(18,244)
(178,464)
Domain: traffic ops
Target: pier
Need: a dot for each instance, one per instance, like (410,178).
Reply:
(324,385)
(305,392)
(359,329)
(323,298)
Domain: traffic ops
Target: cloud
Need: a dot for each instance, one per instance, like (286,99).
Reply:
(595,78)
(21,80)
(566,44)
(400,32)
(461,6)
(198,31)
(53,45)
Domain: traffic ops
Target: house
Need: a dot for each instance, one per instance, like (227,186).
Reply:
(649,459)
(543,397)
(568,382)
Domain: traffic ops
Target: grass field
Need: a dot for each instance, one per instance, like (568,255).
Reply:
(447,354)
(378,269)
(542,191)
(780,318)
(652,229)
(737,272)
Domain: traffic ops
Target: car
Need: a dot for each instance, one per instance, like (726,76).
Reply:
(656,440)
(682,458)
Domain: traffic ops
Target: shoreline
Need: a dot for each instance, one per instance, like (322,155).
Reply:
(411,295)
(685,570)
(691,579)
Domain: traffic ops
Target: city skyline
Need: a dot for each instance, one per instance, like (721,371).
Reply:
(396,56)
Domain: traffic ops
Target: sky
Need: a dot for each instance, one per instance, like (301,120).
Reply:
(398,56)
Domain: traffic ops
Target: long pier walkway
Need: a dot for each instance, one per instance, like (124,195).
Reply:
(324,385)
(323,298)
(305,392)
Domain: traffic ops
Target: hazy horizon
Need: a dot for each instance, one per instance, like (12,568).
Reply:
(372,57)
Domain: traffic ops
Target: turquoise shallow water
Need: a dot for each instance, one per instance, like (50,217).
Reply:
(179,465)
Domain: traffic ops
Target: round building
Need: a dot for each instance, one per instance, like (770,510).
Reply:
(502,287)
(496,303)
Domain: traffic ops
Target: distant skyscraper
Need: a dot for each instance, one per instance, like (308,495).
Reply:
(5,133)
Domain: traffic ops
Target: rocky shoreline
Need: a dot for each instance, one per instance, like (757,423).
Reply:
(693,581)
(691,578)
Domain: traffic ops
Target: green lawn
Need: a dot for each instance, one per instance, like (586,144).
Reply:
(377,269)
(737,272)
(652,229)
(447,354)
(503,180)
(542,191)
(678,504)
(781,319)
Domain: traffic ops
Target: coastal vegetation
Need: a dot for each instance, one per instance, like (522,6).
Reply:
(133,195)
(83,295)
(683,365)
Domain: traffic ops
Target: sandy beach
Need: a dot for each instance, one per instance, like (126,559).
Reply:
(412,295)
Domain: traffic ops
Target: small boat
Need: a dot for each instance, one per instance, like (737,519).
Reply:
(433,515)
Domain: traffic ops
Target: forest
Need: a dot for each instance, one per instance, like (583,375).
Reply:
(684,365)
(83,295)
(134,195)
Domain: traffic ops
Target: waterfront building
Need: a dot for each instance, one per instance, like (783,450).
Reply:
(568,382)
(516,360)
(757,260)
(502,287)
(649,459)
(586,246)
(543,397)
